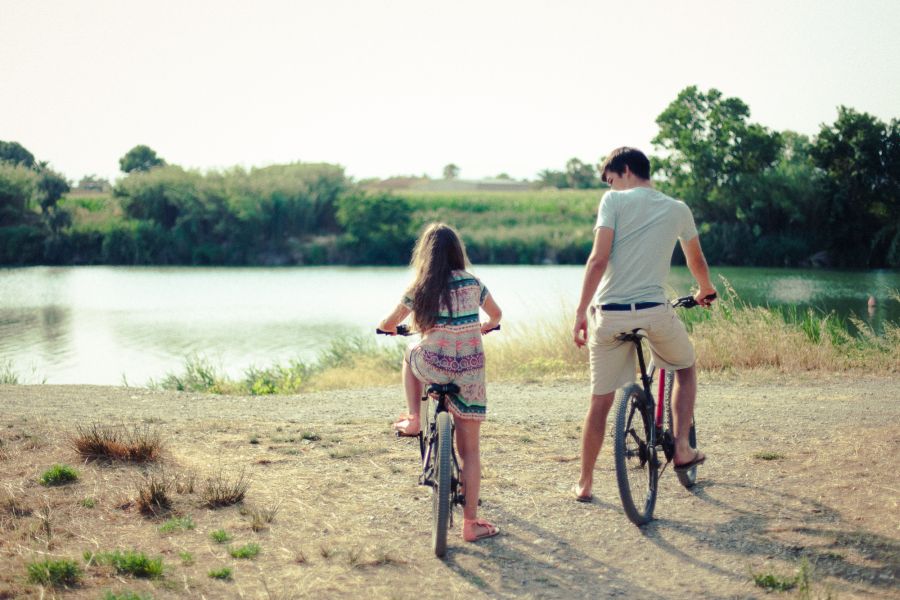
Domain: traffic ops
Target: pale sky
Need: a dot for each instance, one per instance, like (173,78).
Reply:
(404,87)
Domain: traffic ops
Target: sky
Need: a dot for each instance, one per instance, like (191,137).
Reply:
(401,87)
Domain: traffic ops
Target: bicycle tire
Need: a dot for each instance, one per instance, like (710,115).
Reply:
(637,464)
(441,493)
(685,478)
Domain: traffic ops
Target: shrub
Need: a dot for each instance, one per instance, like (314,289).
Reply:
(59,475)
(54,572)
(223,490)
(224,573)
(177,524)
(220,536)
(153,494)
(102,442)
(133,563)
(246,551)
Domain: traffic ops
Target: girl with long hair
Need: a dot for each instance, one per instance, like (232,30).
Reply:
(444,299)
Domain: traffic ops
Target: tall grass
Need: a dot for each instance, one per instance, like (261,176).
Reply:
(731,335)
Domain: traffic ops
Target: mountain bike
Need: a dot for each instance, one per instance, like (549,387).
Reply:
(440,466)
(644,434)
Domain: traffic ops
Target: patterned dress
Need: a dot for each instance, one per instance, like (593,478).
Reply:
(451,351)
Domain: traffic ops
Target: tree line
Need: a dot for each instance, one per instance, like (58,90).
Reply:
(760,197)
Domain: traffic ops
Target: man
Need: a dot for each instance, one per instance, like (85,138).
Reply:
(634,237)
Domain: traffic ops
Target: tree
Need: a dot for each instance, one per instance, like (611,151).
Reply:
(711,150)
(550,178)
(451,171)
(15,153)
(860,157)
(377,228)
(580,176)
(140,158)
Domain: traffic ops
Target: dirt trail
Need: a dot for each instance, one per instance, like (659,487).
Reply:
(351,520)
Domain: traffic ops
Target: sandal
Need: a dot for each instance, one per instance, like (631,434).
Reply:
(405,424)
(699,459)
(489,530)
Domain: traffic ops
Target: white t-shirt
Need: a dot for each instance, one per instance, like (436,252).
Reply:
(646,224)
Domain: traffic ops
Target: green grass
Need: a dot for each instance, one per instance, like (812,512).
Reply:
(768,455)
(8,376)
(177,524)
(57,573)
(773,582)
(220,536)
(126,596)
(250,550)
(224,574)
(88,502)
(133,563)
(187,559)
(59,475)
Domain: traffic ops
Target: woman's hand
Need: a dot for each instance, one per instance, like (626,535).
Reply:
(488,325)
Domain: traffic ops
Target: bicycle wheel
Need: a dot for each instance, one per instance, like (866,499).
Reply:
(637,465)
(441,494)
(686,478)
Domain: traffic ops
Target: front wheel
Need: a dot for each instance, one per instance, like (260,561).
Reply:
(637,464)
(441,493)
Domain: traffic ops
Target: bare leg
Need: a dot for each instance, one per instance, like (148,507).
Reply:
(468,444)
(413,389)
(683,396)
(592,439)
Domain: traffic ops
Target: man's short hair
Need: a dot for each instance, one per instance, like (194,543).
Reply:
(623,157)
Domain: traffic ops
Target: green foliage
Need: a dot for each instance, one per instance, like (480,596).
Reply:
(140,158)
(18,185)
(57,573)
(125,596)
(451,171)
(220,536)
(246,551)
(377,229)
(15,153)
(59,475)
(177,524)
(8,375)
(581,176)
(224,574)
(131,562)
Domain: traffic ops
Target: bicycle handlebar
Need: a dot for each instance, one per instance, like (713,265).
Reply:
(690,302)
(405,330)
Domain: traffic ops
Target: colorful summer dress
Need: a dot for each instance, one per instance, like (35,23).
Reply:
(451,351)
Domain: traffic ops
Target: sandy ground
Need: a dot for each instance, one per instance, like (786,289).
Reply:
(351,520)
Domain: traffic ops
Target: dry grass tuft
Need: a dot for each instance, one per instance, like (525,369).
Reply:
(141,443)
(261,516)
(224,490)
(153,494)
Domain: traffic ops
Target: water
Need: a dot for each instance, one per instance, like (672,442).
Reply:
(108,325)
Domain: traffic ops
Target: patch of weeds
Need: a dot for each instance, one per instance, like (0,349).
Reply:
(346,452)
(8,375)
(153,495)
(254,440)
(125,596)
(525,439)
(185,483)
(310,436)
(57,573)
(187,559)
(220,536)
(224,574)
(223,490)
(326,551)
(141,443)
(136,564)
(12,506)
(260,517)
(773,582)
(245,551)
(59,475)
(177,524)
(88,502)
(768,455)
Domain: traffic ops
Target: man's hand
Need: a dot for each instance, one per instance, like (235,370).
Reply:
(579,331)
(702,296)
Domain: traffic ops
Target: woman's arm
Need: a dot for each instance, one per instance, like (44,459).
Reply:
(493,312)
(395,318)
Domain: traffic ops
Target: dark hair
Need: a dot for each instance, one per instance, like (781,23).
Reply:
(623,157)
(438,252)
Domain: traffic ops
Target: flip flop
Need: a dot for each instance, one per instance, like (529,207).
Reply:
(698,459)
(403,423)
(490,530)
(579,497)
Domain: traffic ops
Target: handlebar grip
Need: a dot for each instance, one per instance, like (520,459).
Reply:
(401,330)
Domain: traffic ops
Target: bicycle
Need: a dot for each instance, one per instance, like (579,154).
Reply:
(638,445)
(440,466)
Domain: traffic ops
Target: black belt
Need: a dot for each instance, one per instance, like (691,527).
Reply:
(635,306)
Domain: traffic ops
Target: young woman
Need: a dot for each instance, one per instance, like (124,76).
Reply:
(445,299)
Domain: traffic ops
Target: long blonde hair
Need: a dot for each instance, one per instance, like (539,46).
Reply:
(437,253)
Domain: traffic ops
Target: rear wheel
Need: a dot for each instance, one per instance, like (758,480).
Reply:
(441,492)
(637,465)
(686,478)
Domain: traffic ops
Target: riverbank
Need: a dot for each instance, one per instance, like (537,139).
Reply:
(797,473)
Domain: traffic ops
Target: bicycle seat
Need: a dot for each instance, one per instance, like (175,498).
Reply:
(635,335)
(443,388)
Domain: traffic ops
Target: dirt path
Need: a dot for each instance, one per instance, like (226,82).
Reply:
(351,520)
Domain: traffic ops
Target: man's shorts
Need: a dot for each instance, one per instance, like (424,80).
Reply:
(614,362)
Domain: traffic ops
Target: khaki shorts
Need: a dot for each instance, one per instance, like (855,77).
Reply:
(614,362)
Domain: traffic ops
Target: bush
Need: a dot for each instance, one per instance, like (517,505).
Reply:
(136,564)
(377,229)
(59,475)
(54,572)
(103,442)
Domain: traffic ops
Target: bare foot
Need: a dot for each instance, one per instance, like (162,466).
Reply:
(407,425)
(478,529)
(692,460)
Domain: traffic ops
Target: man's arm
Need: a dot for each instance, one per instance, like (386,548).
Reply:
(696,263)
(593,273)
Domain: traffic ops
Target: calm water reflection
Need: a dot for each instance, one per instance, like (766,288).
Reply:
(103,324)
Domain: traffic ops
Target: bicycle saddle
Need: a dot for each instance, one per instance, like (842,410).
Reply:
(635,335)
(443,388)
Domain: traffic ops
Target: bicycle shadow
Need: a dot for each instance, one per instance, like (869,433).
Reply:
(551,568)
(767,523)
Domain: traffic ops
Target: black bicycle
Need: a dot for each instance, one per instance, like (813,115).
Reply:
(440,466)
(644,435)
